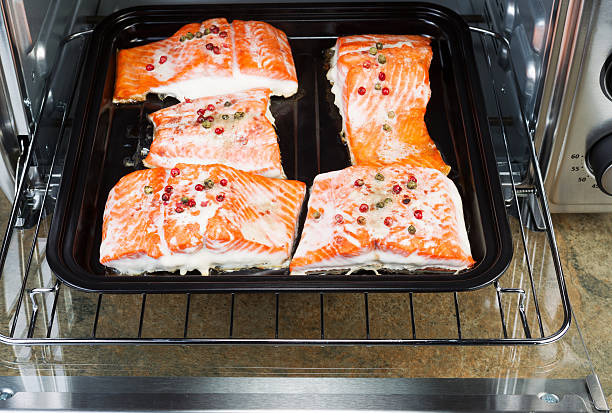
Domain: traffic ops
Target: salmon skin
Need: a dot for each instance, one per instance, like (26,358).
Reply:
(206,59)
(396,217)
(381,88)
(235,130)
(197,217)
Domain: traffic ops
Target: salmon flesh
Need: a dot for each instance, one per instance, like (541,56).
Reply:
(381,88)
(206,59)
(396,217)
(235,129)
(197,217)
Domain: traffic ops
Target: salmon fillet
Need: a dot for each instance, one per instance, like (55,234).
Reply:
(205,59)
(197,217)
(235,130)
(381,87)
(396,217)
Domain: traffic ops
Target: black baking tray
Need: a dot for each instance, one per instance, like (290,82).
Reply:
(107,139)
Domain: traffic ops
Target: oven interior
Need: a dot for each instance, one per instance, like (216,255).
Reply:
(250,335)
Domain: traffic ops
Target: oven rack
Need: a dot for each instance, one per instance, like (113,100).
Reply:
(38,311)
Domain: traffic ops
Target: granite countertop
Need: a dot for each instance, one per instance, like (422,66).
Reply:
(585,247)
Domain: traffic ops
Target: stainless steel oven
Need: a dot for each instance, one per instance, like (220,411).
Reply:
(511,346)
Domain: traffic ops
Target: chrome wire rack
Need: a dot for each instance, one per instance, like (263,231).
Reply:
(527,305)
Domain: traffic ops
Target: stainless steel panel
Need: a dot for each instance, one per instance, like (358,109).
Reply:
(584,114)
(300,394)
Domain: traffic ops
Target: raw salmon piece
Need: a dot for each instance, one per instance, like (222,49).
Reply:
(383,97)
(216,217)
(361,217)
(231,57)
(241,135)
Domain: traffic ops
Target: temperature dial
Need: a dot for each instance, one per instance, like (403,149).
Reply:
(599,159)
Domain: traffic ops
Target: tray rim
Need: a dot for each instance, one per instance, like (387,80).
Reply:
(60,260)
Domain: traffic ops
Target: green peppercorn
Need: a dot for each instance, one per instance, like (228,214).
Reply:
(379,177)
(182,38)
(227,104)
(382,59)
(386,127)
(377,86)
(148,190)
(184,199)
(207,31)
(411,185)
(189,35)
(208,183)
(388,201)
(361,221)
(316,215)
(198,34)
(380,205)
(373,50)
(411,229)
(391,114)
(225,117)
(206,124)
(379,45)
(238,115)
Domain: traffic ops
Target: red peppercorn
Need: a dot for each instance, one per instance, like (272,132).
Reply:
(220,197)
(214,29)
(168,189)
(223,34)
(381,76)
(162,60)
(175,171)
(209,46)
(165,197)
(359,182)
(179,209)
(397,189)
(366,65)
(385,91)
(223,182)
(219,131)
(200,111)
(363,208)
(210,107)
(361,90)
(191,203)
(339,218)
(412,178)
(388,221)
(200,119)
(210,118)
(216,50)
(149,67)
(187,100)
(418,214)
(199,187)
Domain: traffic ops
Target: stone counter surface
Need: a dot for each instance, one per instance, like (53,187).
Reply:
(585,247)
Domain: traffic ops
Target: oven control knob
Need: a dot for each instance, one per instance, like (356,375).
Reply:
(599,159)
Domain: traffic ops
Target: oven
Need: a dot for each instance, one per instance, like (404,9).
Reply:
(512,345)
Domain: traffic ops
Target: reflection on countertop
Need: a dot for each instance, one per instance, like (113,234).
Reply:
(584,242)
